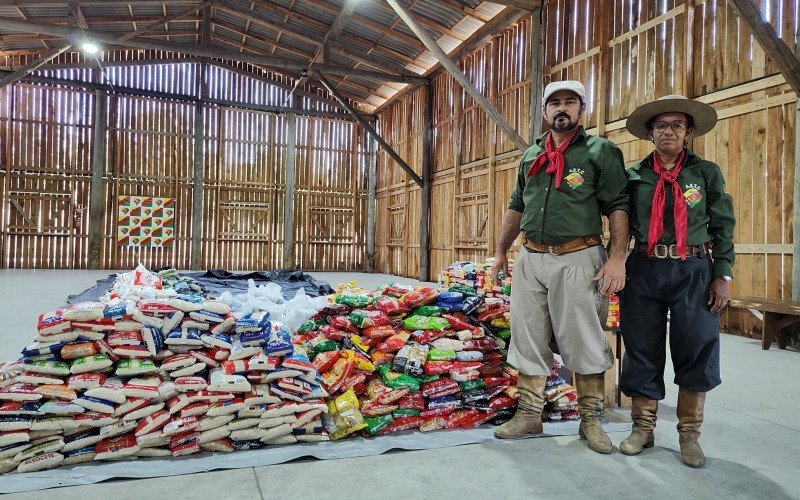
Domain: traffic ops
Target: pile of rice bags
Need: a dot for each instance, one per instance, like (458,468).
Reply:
(169,375)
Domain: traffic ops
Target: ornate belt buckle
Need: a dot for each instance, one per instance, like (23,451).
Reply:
(673,252)
(661,251)
(551,250)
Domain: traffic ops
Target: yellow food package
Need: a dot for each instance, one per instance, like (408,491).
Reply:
(361,363)
(344,416)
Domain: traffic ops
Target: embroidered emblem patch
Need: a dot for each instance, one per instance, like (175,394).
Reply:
(692,195)
(575,178)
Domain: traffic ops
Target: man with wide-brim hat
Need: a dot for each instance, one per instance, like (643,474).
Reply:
(682,221)
(566,183)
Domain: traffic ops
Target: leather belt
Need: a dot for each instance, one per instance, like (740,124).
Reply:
(671,251)
(575,245)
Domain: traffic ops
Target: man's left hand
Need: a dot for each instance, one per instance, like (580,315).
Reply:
(613,275)
(718,295)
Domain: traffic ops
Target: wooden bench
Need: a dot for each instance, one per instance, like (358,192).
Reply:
(778,316)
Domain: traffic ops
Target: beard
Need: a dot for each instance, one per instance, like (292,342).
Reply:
(563,126)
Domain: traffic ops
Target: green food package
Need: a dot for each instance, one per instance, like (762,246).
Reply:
(395,380)
(320,344)
(405,412)
(430,311)
(429,378)
(507,289)
(441,355)
(353,300)
(377,424)
(311,325)
(472,385)
(466,290)
(504,334)
(425,323)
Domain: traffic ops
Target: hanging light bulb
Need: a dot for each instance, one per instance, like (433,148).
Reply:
(90,47)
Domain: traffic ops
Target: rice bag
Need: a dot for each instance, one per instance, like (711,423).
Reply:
(279,344)
(53,323)
(133,367)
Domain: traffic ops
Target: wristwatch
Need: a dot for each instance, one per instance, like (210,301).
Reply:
(726,278)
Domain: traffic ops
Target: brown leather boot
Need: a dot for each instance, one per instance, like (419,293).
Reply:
(643,413)
(590,404)
(690,417)
(528,418)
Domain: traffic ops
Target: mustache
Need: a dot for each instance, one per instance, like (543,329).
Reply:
(559,115)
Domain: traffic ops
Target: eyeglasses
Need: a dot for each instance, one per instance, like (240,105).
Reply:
(677,125)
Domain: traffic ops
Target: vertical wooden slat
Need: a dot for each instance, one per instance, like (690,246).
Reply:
(96,213)
(290,169)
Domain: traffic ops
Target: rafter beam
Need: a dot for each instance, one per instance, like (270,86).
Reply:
(369,129)
(213,52)
(339,46)
(459,76)
(520,4)
(776,49)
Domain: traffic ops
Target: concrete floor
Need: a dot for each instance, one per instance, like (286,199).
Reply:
(751,437)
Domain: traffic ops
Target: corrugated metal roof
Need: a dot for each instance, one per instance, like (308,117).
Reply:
(373,39)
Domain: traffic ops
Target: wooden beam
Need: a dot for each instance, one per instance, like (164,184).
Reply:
(198,170)
(688,50)
(602,102)
(537,66)
(776,49)
(796,204)
(96,205)
(290,168)
(385,145)
(460,77)
(531,5)
(425,193)
(212,52)
(372,147)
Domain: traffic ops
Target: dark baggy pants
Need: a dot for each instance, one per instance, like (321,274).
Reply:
(654,286)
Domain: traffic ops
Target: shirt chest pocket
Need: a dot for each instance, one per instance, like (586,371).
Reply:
(694,193)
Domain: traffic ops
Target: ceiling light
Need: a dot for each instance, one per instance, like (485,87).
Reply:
(90,47)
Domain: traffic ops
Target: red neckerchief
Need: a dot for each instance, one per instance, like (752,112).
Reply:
(554,158)
(656,228)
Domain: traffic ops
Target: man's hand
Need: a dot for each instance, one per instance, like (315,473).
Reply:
(613,273)
(718,294)
(500,262)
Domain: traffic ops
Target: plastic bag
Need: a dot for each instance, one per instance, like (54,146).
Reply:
(411,359)
(378,332)
(390,305)
(471,304)
(364,319)
(420,296)
(376,424)
(394,343)
(398,380)
(430,311)
(343,417)
(353,300)
(425,323)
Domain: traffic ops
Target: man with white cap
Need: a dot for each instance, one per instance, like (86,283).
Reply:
(679,211)
(566,183)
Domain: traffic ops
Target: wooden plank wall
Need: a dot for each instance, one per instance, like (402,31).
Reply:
(45,167)
(643,51)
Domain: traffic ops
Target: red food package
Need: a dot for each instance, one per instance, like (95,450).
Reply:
(331,310)
(502,403)
(379,332)
(335,377)
(437,367)
(432,424)
(342,323)
(353,380)
(428,336)
(359,389)
(492,314)
(436,412)
(455,418)
(491,370)
(324,361)
(401,424)
(420,296)
(332,333)
(457,323)
(483,345)
(390,305)
(464,374)
(492,356)
(395,342)
(372,408)
(396,289)
(473,421)
(381,358)
(497,381)
(467,365)
(302,338)
(438,388)
(146,278)
(413,401)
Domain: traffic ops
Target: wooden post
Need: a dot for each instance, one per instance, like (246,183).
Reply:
(537,62)
(199,150)
(796,204)
(96,212)
(425,193)
(604,70)
(290,168)
(372,146)
(688,50)
(453,69)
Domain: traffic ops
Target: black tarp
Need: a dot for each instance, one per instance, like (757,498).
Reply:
(220,280)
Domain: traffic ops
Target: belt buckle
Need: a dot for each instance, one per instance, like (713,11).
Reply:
(673,252)
(551,249)
(661,251)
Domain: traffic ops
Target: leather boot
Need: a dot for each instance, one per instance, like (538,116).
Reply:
(643,413)
(590,404)
(528,418)
(690,417)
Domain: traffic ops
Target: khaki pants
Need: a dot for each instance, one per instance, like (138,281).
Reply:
(555,295)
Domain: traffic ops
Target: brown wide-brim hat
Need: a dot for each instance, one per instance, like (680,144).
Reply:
(705,117)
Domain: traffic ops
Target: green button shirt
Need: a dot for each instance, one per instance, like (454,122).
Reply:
(709,207)
(594,184)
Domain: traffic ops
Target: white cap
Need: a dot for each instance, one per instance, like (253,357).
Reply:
(571,85)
